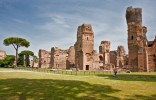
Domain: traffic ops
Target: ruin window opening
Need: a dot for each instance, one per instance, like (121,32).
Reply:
(154,57)
(87,67)
(132,37)
(101,58)
(87,38)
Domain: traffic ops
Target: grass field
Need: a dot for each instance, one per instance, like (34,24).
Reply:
(48,86)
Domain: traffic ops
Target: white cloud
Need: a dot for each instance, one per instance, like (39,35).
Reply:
(56,25)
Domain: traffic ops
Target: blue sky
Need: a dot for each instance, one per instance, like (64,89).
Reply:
(53,23)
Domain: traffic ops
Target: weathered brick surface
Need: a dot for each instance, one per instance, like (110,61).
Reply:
(44,58)
(86,58)
(58,58)
(2,54)
(141,51)
(119,57)
(141,55)
(70,62)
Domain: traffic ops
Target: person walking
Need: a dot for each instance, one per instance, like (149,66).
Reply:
(115,70)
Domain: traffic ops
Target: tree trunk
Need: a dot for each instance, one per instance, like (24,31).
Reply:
(16,57)
(24,62)
(33,61)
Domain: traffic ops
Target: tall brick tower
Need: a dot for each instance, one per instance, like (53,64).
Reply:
(104,49)
(136,40)
(84,46)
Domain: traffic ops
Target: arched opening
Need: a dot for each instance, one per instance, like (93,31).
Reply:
(87,38)
(101,58)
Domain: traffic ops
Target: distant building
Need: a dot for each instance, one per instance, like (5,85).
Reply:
(58,58)
(44,58)
(141,55)
(2,54)
(82,55)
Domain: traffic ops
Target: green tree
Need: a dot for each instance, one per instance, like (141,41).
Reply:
(27,54)
(16,42)
(20,59)
(7,61)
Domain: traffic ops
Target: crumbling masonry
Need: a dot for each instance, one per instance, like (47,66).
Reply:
(142,53)
(82,56)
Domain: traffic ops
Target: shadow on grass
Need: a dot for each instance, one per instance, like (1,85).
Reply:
(141,97)
(48,89)
(131,77)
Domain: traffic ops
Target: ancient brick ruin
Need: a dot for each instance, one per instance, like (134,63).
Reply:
(70,62)
(44,58)
(2,54)
(142,53)
(58,58)
(104,49)
(119,57)
(82,56)
(84,48)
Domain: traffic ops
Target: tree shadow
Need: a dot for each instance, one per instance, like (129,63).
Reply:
(131,77)
(141,97)
(49,89)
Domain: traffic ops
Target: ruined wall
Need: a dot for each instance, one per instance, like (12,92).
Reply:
(2,54)
(104,49)
(97,61)
(44,58)
(34,63)
(70,62)
(141,51)
(84,47)
(136,40)
(58,58)
(151,49)
(113,57)
(119,57)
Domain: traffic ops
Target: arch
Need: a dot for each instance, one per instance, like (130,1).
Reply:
(101,58)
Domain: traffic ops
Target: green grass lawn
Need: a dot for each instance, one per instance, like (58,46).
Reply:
(2,69)
(47,86)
